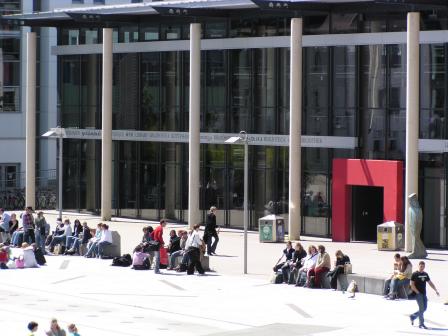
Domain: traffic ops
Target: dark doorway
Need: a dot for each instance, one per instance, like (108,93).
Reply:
(367,212)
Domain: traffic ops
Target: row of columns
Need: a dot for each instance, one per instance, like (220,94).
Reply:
(194,214)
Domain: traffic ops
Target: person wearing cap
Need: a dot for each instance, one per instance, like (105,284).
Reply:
(4,224)
(28,226)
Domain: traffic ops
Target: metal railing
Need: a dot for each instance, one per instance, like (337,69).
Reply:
(12,191)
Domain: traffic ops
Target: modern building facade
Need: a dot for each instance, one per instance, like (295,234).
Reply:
(354,72)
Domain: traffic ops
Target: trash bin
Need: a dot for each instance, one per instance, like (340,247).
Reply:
(390,236)
(271,229)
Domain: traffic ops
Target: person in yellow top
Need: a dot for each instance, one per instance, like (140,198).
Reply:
(321,268)
(401,278)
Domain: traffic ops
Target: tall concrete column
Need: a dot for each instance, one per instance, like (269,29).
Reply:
(295,129)
(194,214)
(412,116)
(106,137)
(30,108)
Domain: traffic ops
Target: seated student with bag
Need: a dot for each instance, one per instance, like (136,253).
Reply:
(287,253)
(402,278)
(308,264)
(291,267)
(339,268)
(140,259)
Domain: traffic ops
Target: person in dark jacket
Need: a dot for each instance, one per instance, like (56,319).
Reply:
(341,260)
(290,267)
(174,244)
(211,232)
(287,253)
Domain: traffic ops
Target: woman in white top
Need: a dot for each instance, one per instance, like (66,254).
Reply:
(308,263)
(194,243)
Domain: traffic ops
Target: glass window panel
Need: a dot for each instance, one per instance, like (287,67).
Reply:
(150,32)
(128,34)
(373,134)
(316,77)
(344,122)
(373,74)
(344,78)
(432,124)
(432,73)
(90,90)
(171,90)
(241,28)
(150,96)
(316,24)
(283,92)
(216,29)
(397,77)
(266,27)
(372,23)
(344,23)
(11,99)
(171,32)
(215,91)
(11,73)
(241,89)
(316,122)
(397,135)
(125,91)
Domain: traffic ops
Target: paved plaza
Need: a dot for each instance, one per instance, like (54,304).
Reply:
(105,300)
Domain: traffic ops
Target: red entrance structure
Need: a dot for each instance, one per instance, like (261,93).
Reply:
(373,173)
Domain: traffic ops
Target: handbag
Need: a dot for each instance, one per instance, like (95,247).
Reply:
(348,268)
(153,245)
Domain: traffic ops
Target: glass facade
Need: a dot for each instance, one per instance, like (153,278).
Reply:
(348,91)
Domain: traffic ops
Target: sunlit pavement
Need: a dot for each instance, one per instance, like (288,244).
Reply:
(105,300)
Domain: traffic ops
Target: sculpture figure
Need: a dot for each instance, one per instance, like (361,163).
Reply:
(415,224)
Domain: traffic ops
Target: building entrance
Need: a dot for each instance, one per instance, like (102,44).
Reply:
(367,212)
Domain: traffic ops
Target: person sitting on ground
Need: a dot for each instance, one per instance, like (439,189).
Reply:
(73,330)
(29,257)
(55,329)
(291,267)
(386,289)
(140,259)
(105,240)
(4,256)
(181,252)
(82,239)
(402,278)
(32,327)
(323,265)
(339,264)
(287,253)
(93,242)
(61,239)
(174,244)
(308,264)
(194,243)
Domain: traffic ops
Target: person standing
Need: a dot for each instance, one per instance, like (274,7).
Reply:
(39,231)
(32,327)
(157,235)
(194,242)
(4,225)
(418,286)
(211,232)
(28,226)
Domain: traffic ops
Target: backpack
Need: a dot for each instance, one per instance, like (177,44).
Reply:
(124,261)
(277,278)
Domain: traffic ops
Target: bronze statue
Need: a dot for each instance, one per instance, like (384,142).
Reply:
(415,224)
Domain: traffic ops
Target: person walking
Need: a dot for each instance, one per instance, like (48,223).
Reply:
(418,286)
(211,232)
(157,235)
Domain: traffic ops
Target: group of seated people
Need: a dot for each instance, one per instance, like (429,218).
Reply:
(308,268)
(26,256)
(181,246)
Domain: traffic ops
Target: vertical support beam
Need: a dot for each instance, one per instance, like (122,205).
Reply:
(295,129)
(106,135)
(60,174)
(412,116)
(194,215)
(30,108)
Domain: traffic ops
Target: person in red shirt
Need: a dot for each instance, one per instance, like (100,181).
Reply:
(157,235)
